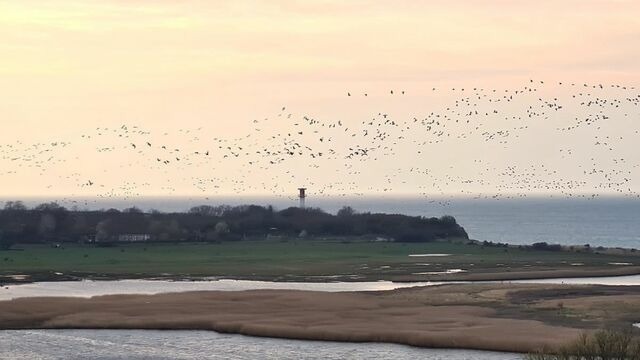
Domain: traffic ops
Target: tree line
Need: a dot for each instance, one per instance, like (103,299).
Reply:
(50,222)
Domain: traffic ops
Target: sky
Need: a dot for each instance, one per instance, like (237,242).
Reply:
(188,72)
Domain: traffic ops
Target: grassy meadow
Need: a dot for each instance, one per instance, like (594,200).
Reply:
(297,259)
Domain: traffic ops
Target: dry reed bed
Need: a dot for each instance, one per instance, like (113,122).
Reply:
(454,316)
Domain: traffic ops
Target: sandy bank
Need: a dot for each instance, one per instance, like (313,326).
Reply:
(485,317)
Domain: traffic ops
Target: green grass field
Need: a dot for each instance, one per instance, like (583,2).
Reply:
(291,260)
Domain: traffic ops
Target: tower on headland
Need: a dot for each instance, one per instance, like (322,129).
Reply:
(302,195)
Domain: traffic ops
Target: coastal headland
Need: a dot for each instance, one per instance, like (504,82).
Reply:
(514,318)
(51,243)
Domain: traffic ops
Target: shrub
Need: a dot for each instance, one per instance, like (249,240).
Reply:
(602,345)
(546,247)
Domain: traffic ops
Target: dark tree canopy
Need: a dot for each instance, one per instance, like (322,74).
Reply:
(51,222)
(15,206)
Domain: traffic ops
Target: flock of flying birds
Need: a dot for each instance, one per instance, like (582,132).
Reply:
(567,139)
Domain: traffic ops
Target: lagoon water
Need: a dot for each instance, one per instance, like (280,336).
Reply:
(599,222)
(88,288)
(188,345)
(197,345)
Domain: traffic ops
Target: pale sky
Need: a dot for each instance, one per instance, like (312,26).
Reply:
(185,72)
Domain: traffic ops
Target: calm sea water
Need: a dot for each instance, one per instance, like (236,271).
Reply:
(196,345)
(598,222)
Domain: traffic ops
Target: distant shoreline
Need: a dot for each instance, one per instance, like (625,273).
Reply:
(460,277)
(512,318)
(535,275)
(313,260)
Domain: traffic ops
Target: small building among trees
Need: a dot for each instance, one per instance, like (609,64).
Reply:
(133,237)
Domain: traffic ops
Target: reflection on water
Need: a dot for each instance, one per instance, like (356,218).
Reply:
(187,345)
(89,288)
(111,287)
(607,280)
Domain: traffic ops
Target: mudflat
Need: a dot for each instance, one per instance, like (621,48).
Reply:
(518,318)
